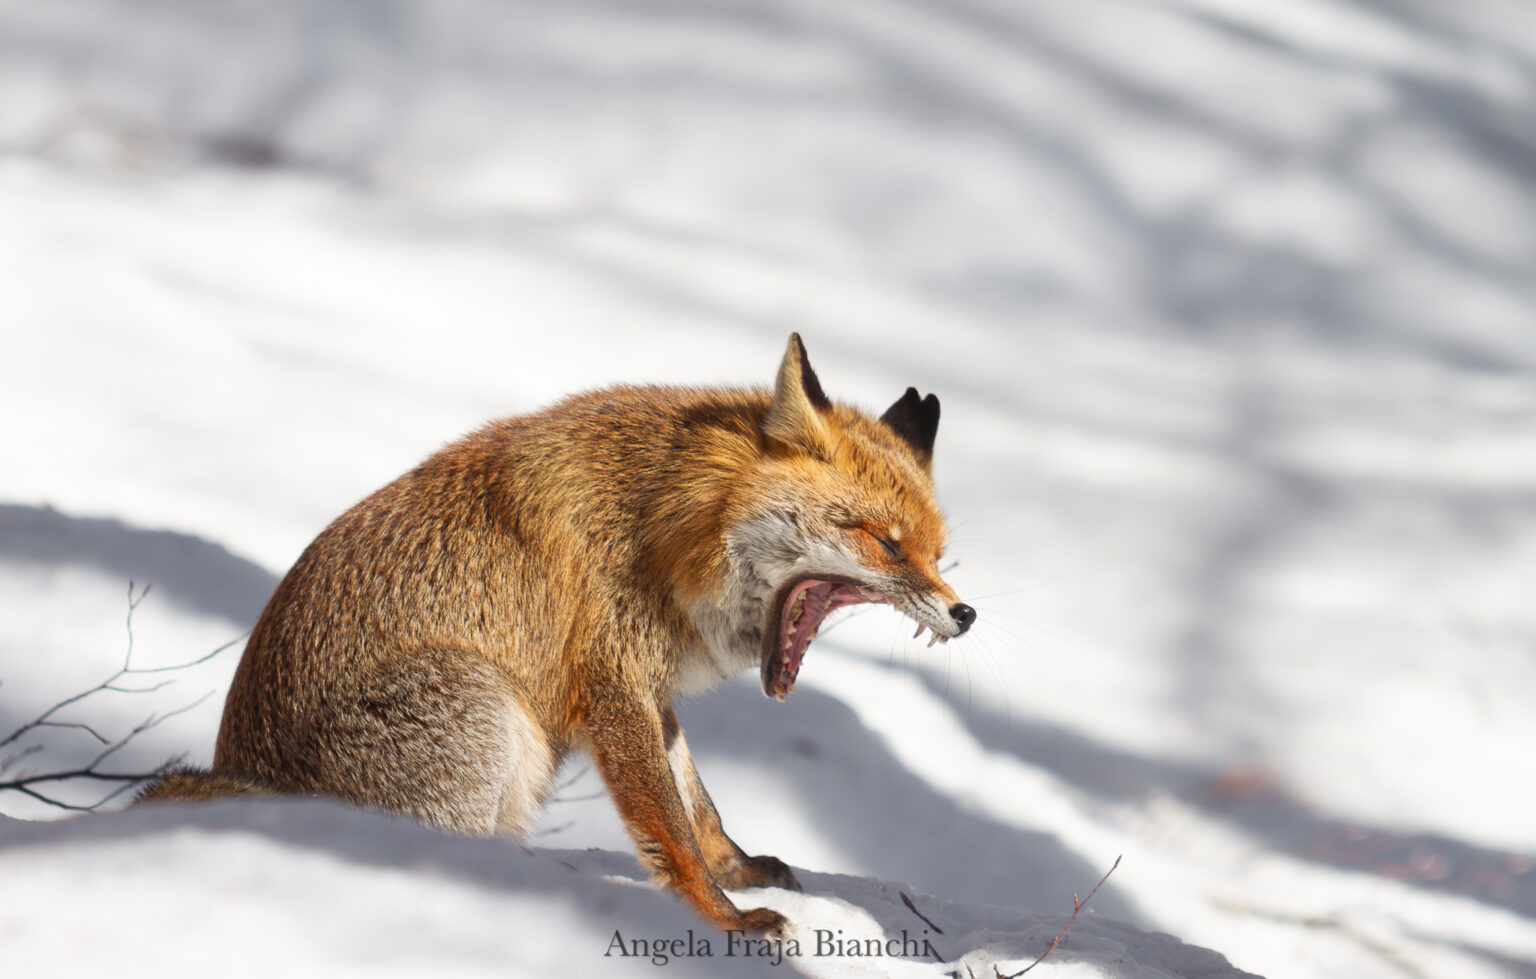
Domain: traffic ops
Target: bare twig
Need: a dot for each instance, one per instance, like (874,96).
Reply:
(937,930)
(557,795)
(913,908)
(92,771)
(128,780)
(12,761)
(1076,907)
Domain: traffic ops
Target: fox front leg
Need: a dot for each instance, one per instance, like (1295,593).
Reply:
(629,746)
(731,867)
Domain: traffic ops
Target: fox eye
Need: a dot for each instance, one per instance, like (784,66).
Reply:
(891,547)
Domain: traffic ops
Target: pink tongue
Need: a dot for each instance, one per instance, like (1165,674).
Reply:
(796,631)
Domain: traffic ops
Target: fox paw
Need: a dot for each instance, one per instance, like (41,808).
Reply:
(760,872)
(764,920)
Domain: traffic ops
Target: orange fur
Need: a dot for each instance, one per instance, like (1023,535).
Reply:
(553,581)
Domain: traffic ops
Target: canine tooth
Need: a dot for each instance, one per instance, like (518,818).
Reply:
(933,639)
(920,628)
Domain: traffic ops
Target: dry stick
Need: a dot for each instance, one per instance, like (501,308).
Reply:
(25,784)
(127,669)
(557,797)
(1076,907)
(557,794)
(89,771)
(8,763)
(913,908)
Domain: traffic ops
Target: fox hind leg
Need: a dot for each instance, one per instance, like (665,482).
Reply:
(441,735)
(529,777)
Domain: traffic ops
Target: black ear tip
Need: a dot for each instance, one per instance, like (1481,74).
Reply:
(909,401)
(915,419)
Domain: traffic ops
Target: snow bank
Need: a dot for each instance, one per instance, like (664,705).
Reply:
(310,887)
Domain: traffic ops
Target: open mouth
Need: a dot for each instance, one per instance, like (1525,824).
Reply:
(805,605)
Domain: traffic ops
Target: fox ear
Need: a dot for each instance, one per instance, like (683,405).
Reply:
(916,420)
(794,417)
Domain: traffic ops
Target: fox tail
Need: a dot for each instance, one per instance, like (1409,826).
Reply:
(187,784)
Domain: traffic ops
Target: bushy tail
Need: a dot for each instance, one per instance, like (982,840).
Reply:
(199,785)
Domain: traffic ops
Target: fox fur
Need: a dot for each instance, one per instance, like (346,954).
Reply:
(552,582)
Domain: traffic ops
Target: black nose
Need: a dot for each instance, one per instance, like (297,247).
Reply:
(963,615)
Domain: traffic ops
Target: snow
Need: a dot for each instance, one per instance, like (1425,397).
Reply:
(1232,311)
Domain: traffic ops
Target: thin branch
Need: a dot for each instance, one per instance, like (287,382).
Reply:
(78,726)
(190,663)
(557,794)
(572,779)
(128,780)
(913,908)
(1076,907)
(153,720)
(128,785)
(12,761)
(52,802)
(149,689)
(92,771)
(110,684)
(42,719)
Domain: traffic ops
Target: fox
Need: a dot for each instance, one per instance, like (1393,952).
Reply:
(554,582)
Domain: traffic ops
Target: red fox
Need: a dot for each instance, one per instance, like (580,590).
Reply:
(554,581)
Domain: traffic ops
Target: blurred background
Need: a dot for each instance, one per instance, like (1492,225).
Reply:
(1231,307)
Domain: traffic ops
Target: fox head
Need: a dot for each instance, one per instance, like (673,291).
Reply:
(838,511)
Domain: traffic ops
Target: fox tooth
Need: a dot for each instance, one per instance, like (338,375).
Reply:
(920,628)
(933,639)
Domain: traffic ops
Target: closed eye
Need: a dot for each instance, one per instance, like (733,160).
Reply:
(891,547)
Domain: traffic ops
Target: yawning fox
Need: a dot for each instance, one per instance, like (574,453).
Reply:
(554,581)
